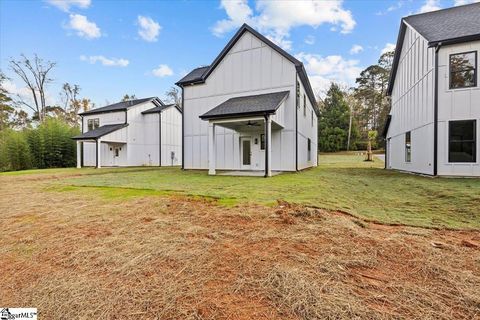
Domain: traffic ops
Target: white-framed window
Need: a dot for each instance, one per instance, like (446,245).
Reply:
(262,141)
(304,105)
(93,124)
(309,149)
(312,118)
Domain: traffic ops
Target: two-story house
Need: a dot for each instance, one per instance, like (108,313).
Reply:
(252,109)
(433,126)
(142,132)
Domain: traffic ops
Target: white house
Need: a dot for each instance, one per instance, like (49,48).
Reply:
(433,126)
(252,109)
(142,132)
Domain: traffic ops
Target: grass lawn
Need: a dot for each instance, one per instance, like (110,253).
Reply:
(341,182)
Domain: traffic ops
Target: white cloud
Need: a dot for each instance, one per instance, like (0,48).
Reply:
(324,70)
(148,29)
(310,40)
(83,27)
(356,49)
(25,94)
(276,18)
(162,71)
(108,62)
(388,47)
(462,2)
(391,8)
(65,5)
(430,5)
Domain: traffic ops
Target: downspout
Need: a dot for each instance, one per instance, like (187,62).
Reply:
(81,147)
(296,122)
(183,130)
(267,146)
(160,138)
(96,153)
(435,114)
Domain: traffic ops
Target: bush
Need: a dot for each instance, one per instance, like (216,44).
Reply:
(47,146)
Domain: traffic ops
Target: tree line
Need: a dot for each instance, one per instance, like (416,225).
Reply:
(351,118)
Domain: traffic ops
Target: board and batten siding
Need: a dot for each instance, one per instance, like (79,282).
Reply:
(250,67)
(413,106)
(307,129)
(456,104)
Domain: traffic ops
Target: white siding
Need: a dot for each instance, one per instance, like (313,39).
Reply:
(456,104)
(307,129)
(413,106)
(250,67)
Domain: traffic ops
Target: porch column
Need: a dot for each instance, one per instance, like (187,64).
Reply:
(211,148)
(79,154)
(99,153)
(268,146)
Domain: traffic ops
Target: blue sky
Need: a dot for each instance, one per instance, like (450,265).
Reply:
(111,48)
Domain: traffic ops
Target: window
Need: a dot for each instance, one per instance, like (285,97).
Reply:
(309,149)
(93,124)
(304,105)
(463,70)
(298,95)
(312,118)
(262,141)
(408,146)
(462,141)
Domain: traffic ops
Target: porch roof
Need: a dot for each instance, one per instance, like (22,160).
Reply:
(100,131)
(247,106)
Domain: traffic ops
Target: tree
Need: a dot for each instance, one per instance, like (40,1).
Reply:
(35,74)
(7,111)
(173,96)
(72,104)
(334,121)
(129,97)
(372,136)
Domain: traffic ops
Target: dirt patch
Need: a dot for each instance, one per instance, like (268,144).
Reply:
(173,257)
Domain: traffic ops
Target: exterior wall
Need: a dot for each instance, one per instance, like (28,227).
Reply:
(456,104)
(307,129)
(250,67)
(139,142)
(413,106)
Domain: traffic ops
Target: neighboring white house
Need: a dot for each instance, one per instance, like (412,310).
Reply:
(434,123)
(252,109)
(142,132)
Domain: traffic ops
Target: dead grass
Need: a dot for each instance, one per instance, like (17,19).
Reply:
(80,255)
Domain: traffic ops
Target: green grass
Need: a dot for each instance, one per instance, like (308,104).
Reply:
(341,182)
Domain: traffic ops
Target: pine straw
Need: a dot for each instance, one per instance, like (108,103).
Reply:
(77,255)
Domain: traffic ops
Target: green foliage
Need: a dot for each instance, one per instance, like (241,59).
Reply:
(334,121)
(47,146)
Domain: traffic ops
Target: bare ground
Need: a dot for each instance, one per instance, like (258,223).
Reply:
(80,255)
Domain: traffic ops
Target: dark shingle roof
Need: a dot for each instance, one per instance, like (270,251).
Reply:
(447,24)
(248,105)
(194,75)
(120,106)
(158,109)
(199,75)
(100,131)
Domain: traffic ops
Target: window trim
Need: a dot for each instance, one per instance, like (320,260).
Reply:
(475,70)
(309,149)
(474,141)
(304,105)
(262,141)
(92,121)
(408,154)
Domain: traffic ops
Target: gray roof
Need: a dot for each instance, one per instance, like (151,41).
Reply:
(248,105)
(199,75)
(100,131)
(158,109)
(447,24)
(194,75)
(120,106)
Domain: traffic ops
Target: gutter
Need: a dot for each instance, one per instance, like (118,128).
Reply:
(435,114)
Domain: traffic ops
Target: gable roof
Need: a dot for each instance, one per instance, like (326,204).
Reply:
(159,109)
(447,26)
(199,75)
(100,131)
(122,106)
(248,105)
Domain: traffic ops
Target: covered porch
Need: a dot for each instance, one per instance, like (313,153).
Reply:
(109,143)
(253,120)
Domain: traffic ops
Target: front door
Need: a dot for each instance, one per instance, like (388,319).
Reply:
(116,155)
(246,153)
